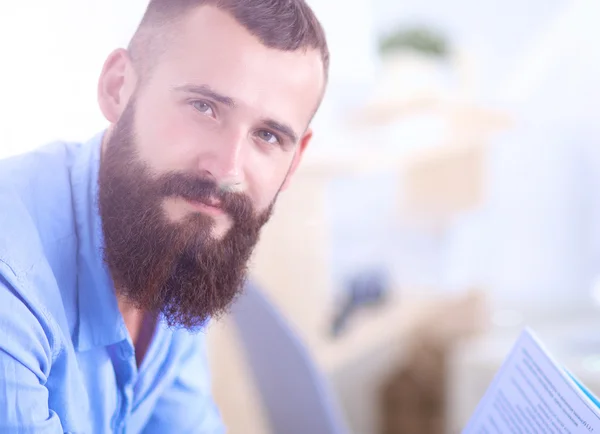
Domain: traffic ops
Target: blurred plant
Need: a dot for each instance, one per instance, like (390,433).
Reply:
(420,39)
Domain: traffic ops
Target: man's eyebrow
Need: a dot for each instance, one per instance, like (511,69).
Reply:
(282,128)
(206,91)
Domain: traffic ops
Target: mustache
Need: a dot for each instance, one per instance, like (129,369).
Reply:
(205,190)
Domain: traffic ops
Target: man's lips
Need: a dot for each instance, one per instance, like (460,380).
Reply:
(210,206)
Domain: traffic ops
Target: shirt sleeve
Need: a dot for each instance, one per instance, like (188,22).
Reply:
(187,406)
(25,361)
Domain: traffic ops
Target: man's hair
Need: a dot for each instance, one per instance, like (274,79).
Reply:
(286,25)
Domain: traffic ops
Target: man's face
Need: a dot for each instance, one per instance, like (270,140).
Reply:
(193,165)
(219,104)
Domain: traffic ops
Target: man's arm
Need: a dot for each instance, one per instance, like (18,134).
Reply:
(187,406)
(25,360)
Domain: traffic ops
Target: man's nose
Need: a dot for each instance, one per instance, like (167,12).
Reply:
(224,160)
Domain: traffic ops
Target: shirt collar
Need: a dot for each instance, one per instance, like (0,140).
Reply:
(100,321)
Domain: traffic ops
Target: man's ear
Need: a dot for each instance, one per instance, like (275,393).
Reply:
(116,85)
(297,157)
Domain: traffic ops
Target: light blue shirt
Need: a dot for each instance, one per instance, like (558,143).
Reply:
(67,363)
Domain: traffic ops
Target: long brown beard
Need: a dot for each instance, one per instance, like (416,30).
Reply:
(176,269)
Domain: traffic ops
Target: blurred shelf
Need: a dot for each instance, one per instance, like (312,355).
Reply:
(372,329)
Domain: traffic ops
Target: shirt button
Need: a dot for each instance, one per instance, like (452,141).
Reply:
(126,352)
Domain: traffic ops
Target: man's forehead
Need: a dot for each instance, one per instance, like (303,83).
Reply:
(211,48)
(209,36)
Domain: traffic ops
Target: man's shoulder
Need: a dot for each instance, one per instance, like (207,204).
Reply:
(44,157)
(38,238)
(34,174)
(35,199)
(47,164)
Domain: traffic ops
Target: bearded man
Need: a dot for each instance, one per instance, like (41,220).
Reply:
(116,252)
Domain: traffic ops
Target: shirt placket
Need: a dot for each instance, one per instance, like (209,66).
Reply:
(123,356)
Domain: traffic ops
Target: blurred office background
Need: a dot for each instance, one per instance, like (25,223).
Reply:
(450,195)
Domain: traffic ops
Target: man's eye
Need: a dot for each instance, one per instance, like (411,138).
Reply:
(268,137)
(203,108)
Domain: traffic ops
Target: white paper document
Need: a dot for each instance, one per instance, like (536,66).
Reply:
(533,394)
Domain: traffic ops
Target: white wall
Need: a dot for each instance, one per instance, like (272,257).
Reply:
(537,242)
(52,53)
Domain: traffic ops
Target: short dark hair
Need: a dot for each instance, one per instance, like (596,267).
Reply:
(287,25)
